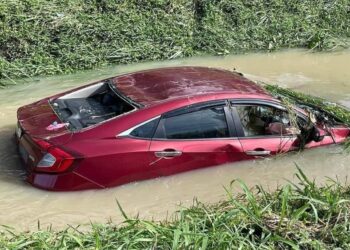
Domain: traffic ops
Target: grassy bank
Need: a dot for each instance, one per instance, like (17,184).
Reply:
(41,37)
(301,216)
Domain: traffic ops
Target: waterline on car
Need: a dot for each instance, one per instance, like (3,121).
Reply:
(322,74)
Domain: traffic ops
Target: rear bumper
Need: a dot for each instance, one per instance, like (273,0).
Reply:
(69,181)
(60,182)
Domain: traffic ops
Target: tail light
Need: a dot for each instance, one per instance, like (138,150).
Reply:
(47,161)
(55,159)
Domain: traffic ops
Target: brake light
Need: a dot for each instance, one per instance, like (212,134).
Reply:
(54,160)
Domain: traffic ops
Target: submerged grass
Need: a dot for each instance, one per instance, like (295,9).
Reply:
(43,37)
(295,216)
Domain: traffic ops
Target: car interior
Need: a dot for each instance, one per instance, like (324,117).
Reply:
(90,106)
(263,120)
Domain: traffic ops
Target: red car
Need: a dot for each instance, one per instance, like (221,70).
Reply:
(160,122)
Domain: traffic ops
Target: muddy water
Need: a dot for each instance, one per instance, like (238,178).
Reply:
(21,206)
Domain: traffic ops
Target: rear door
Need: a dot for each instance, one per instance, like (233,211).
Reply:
(264,129)
(195,137)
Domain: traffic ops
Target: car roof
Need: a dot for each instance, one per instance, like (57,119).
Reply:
(155,85)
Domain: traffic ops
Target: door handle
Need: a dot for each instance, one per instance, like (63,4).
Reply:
(258,152)
(167,153)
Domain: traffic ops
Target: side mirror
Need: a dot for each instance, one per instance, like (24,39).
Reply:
(316,135)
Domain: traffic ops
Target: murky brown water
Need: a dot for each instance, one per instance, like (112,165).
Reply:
(21,206)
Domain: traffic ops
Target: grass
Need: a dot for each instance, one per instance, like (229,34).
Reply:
(44,37)
(295,216)
(335,109)
(292,97)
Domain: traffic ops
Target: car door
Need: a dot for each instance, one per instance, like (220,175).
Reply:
(263,128)
(195,137)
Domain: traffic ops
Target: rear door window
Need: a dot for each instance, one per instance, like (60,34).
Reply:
(208,122)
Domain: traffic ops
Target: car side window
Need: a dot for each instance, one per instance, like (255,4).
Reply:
(205,123)
(146,130)
(260,120)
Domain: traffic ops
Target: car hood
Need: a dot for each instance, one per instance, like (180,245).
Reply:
(35,120)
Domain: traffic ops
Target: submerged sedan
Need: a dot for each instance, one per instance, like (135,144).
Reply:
(159,122)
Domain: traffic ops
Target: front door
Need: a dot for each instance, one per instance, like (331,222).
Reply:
(264,130)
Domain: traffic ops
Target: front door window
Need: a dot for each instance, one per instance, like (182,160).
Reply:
(259,120)
(265,129)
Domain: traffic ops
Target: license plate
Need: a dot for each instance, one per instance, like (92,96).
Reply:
(23,153)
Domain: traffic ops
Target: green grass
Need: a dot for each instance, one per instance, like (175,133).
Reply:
(290,96)
(340,112)
(45,37)
(295,216)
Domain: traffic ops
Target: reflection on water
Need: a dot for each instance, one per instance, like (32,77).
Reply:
(21,205)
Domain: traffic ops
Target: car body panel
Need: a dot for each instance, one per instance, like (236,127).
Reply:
(35,118)
(114,161)
(152,86)
(331,136)
(29,152)
(60,182)
(194,154)
(272,146)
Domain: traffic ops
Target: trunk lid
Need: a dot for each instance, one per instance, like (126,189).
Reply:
(37,120)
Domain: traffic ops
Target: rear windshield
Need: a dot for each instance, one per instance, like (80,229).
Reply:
(90,106)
